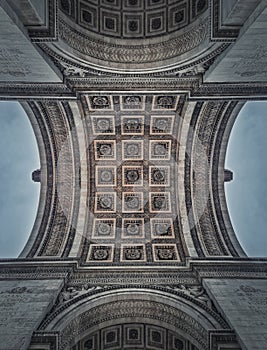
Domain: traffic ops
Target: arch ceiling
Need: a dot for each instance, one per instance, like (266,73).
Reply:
(103,318)
(133,167)
(133,143)
(132,19)
(134,179)
(132,36)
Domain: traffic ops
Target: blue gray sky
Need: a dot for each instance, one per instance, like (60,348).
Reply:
(246,194)
(19,194)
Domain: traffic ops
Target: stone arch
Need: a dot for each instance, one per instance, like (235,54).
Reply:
(219,176)
(184,317)
(134,336)
(41,140)
(210,123)
(56,137)
(206,229)
(88,44)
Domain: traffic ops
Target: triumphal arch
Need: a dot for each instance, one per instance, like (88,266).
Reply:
(132,103)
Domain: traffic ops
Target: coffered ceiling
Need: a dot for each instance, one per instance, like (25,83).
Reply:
(132,152)
(129,19)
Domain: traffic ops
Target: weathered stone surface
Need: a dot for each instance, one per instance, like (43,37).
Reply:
(23,305)
(236,12)
(19,59)
(243,303)
(246,60)
(146,127)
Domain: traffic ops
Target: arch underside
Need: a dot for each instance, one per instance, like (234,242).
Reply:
(129,177)
(102,318)
(132,217)
(133,178)
(121,35)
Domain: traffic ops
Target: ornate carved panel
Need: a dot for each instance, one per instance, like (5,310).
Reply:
(146,204)
(132,150)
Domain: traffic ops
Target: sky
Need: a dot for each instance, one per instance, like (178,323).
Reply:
(19,195)
(246,194)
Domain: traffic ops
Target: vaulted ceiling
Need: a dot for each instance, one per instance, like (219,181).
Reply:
(131,19)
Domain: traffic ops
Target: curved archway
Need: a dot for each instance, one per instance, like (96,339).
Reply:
(133,37)
(62,155)
(90,315)
(135,336)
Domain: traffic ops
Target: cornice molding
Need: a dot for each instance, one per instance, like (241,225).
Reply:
(76,275)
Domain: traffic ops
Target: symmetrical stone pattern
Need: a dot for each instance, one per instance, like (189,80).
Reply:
(129,19)
(132,336)
(118,310)
(132,203)
(132,157)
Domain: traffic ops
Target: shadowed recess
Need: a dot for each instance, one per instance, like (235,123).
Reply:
(19,194)
(247,194)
